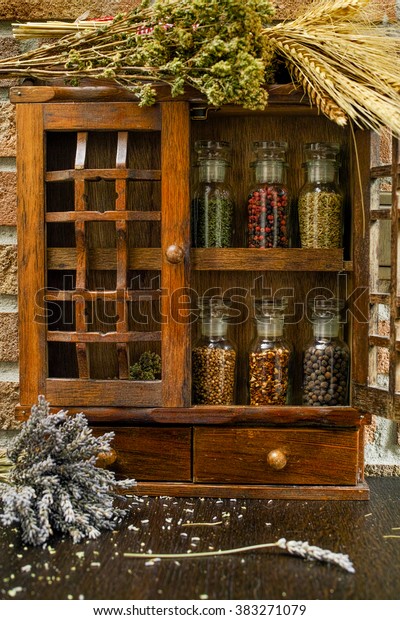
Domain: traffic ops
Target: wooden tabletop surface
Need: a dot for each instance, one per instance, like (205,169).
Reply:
(98,570)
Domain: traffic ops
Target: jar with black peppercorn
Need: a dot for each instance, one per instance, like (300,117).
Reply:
(212,204)
(326,360)
(320,199)
(214,357)
(270,356)
(268,201)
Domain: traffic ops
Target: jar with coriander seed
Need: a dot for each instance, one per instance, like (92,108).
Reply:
(270,356)
(326,359)
(268,201)
(214,356)
(212,203)
(320,202)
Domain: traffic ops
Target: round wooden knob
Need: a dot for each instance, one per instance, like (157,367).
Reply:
(104,459)
(175,254)
(276,459)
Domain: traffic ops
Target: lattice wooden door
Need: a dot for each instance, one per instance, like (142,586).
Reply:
(377,339)
(104,245)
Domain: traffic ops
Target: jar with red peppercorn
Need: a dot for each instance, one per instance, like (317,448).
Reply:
(268,202)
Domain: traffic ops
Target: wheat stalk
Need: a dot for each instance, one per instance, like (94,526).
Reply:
(348,67)
(319,98)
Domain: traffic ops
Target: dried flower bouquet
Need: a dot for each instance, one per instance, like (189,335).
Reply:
(228,50)
(54,484)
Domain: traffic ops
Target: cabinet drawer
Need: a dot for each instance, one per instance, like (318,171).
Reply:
(147,453)
(268,456)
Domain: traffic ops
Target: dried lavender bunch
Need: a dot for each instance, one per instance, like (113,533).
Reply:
(54,485)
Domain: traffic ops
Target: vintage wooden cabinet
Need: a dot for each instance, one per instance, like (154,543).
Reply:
(106,271)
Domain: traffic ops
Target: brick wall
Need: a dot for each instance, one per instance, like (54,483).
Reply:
(41,10)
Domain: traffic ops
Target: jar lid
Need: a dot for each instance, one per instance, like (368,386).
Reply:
(270,164)
(212,150)
(326,309)
(216,307)
(270,149)
(270,326)
(270,307)
(321,150)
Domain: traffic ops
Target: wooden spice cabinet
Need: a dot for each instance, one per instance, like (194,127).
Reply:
(104,192)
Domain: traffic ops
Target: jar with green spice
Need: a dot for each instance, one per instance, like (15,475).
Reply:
(212,204)
(320,203)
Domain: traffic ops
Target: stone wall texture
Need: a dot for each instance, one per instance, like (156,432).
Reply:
(31,10)
(8,198)
(41,10)
(8,270)
(9,392)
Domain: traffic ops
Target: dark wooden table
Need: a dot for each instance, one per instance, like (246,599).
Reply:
(98,569)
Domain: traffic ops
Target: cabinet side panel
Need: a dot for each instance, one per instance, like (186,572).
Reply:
(175,246)
(31,252)
(361,207)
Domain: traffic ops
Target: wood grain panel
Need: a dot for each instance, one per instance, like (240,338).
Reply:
(124,116)
(274,417)
(152,453)
(103,216)
(115,337)
(357,492)
(240,456)
(175,231)
(106,174)
(82,351)
(81,393)
(360,204)
(105,259)
(31,251)
(121,295)
(247,259)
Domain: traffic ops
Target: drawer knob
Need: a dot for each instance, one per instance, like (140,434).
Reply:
(276,459)
(105,459)
(175,254)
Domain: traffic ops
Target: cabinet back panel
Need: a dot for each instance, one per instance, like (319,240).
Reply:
(242,131)
(250,285)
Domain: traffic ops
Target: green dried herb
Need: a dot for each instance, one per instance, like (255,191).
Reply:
(216,46)
(213,221)
(148,368)
(320,219)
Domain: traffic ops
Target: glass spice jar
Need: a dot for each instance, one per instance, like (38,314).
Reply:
(320,199)
(268,201)
(326,359)
(214,357)
(212,204)
(270,357)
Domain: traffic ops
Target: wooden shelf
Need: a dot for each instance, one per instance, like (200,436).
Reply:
(105,90)
(246,259)
(294,416)
(210,259)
